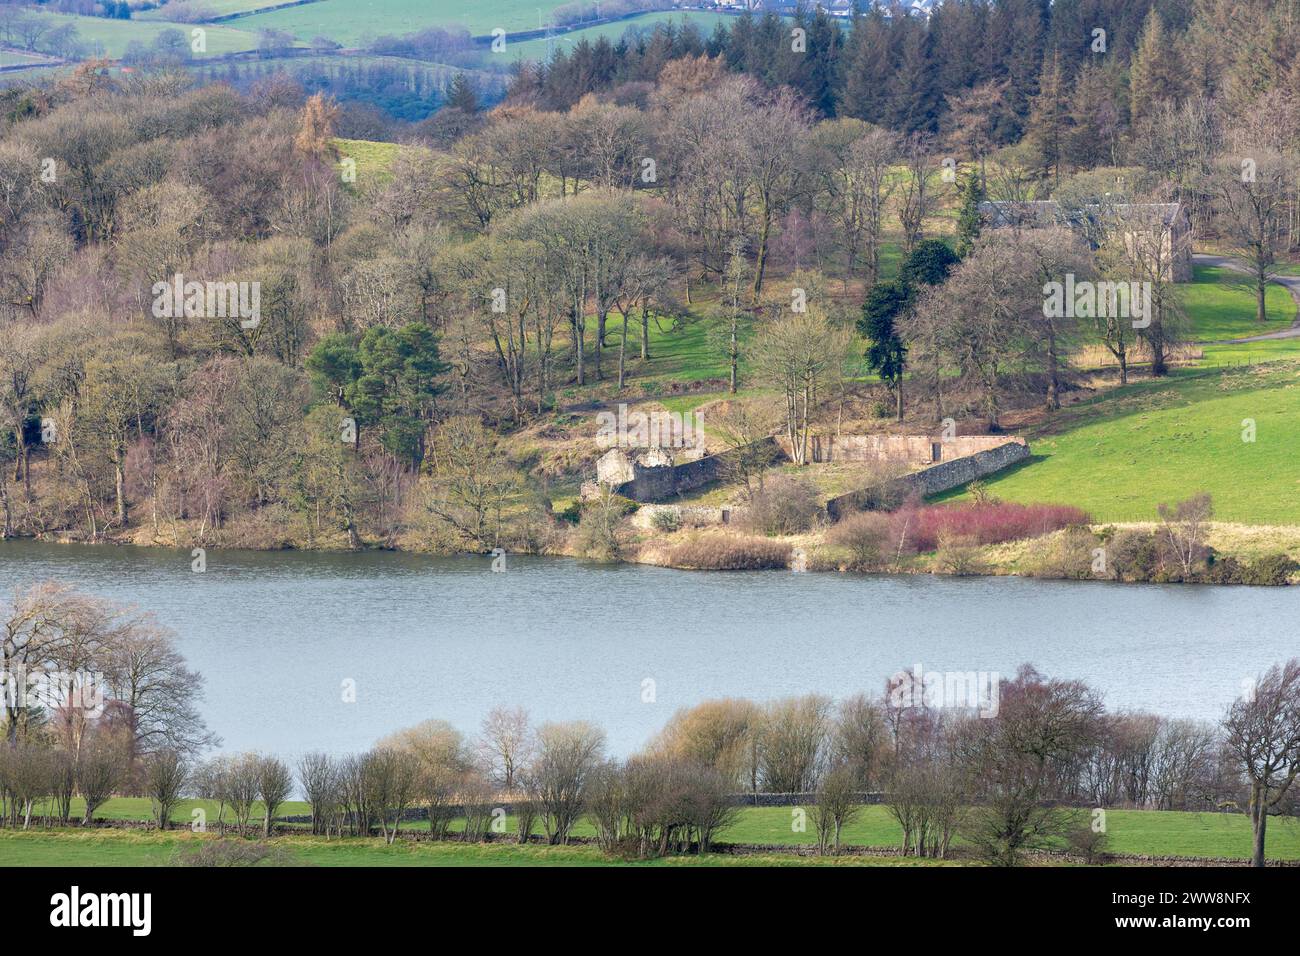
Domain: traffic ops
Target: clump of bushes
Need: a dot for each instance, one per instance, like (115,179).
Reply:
(869,540)
(784,505)
(717,552)
(232,853)
(1270,570)
(959,555)
(863,539)
(1069,555)
(666,521)
(987,523)
(1133,555)
(597,534)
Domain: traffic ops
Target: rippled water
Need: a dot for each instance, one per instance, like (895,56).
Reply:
(276,634)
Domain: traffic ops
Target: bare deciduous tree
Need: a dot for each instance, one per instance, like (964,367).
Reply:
(567,755)
(166,774)
(1263,739)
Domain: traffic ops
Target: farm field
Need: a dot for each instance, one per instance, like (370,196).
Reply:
(351,21)
(1143,832)
(177,9)
(14,58)
(111,37)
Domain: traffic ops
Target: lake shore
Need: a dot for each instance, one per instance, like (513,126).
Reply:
(1046,556)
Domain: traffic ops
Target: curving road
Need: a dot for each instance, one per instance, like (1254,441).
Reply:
(1290,283)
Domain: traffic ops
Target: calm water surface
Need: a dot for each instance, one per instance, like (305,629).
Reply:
(276,634)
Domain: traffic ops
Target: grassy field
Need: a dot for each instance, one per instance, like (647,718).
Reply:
(374,160)
(351,21)
(1221,304)
(1131,832)
(14,58)
(1119,455)
(135,848)
(210,8)
(110,37)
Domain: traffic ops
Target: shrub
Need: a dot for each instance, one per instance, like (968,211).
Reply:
(666,520)
(785,505)
(716,552)
(1133,555)
(958,555)
(597,535)
(865,537)
(1270,570)
(1067,555)
(1092,845)
(232,853)
(984,523)
(980,494)
(1273,569)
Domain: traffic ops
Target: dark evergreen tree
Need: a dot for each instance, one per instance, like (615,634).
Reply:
(928,264)
(887,354)
(461,95)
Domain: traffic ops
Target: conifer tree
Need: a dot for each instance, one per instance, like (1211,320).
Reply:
(1156,73)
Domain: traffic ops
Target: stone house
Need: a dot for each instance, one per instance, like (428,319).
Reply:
(1141,224)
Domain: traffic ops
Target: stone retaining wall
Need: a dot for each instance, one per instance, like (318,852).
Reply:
(907,449)
(931,481)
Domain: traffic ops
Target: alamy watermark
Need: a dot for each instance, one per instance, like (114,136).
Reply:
(969,690)
(1098,300)
(53,690)
(208,300)
(653,430)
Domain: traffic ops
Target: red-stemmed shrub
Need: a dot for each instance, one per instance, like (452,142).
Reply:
(921,526)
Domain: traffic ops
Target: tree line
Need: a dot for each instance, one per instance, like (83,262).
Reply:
(1011,766)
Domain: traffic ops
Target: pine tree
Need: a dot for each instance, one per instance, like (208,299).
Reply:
(1048,118)
(1156,73)
(461,95)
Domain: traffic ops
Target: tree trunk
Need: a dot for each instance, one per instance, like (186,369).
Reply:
(119,483)
(1053,373)
(733,355)
(760,262)
(622,354)
(1259,817)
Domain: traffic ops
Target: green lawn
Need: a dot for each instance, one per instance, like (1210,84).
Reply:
(1119,455)
(1221,305)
